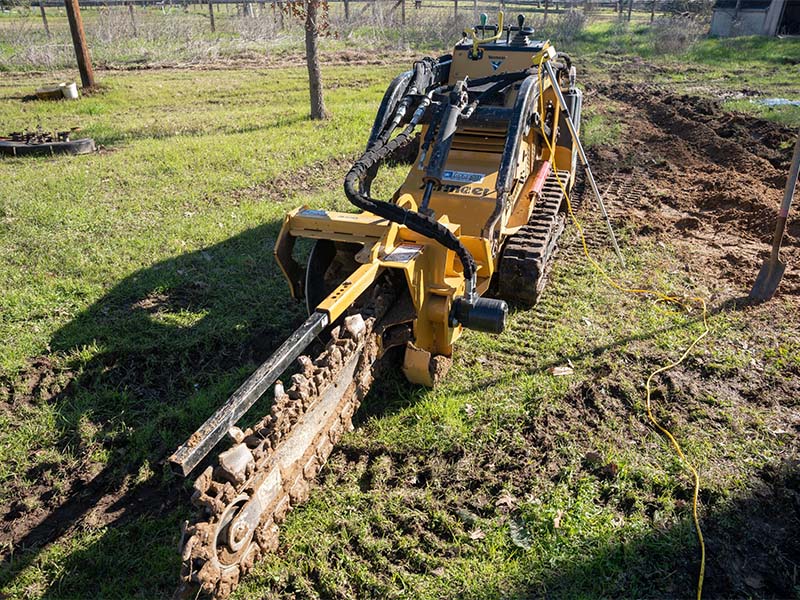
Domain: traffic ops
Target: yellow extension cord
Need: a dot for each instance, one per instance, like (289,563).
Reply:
(660,297)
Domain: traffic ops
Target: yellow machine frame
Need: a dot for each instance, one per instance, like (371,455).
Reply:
(432,272)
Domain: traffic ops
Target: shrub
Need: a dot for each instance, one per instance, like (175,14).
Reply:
(569,25)
(675,35)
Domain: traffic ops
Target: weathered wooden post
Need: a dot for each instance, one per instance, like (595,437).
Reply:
(346,10)
(79,41)
(211,16)
(44,19)
(455,10)
(630,9)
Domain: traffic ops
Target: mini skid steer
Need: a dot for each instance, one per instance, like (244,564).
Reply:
(492,130)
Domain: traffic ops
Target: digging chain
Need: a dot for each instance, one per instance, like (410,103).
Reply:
(267,472)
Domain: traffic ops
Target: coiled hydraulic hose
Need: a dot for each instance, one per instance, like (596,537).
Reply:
(358,179)
(416,222)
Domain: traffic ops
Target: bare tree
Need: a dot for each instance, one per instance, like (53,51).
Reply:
(313,29)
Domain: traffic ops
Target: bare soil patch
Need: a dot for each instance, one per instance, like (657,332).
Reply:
(707,180)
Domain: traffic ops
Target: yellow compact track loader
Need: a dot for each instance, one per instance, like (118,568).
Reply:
(492,131)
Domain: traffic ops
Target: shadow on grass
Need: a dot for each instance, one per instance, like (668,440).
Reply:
(148,363)
(732,304)
(752,545)
(114,137)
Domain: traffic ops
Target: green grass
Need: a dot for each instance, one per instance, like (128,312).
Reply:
(143,276)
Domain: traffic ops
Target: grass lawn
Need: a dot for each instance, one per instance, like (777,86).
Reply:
(139,289)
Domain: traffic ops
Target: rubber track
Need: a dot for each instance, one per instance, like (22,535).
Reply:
(528,254)
(519,346)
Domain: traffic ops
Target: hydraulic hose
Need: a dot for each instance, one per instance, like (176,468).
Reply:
(422,77)
(421,80)
(422,224)
(357,182)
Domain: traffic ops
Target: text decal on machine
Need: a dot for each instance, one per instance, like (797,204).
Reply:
(462,176)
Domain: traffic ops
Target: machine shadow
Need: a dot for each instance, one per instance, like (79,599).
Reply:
(146,365)
(752,548)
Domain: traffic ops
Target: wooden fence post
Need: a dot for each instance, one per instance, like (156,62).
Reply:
(44,19)
(346,10)
(79,41)
(211,16)
(455,10)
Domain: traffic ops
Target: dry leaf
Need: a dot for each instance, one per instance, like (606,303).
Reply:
(560,371)
(505,500)
(557,519)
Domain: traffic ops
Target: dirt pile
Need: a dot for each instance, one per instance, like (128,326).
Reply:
(708,181)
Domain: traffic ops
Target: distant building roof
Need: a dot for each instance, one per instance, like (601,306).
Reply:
(745,5)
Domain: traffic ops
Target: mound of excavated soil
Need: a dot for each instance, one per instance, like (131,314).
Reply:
(706,180)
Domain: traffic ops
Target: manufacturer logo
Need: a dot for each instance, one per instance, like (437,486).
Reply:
(496,64)
(463,190)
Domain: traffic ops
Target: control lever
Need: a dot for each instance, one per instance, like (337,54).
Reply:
(457,100)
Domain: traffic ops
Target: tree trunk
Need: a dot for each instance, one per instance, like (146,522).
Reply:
(312,62)
(133,19)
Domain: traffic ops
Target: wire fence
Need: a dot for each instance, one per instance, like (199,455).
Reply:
(35,35)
